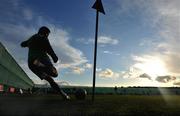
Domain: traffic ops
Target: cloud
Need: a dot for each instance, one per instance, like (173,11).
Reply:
(176,83)
(107,40)
(149,42)
(88,66)
(98,69)
(28,15)
(13,33)
(133,72)
(102,40)
(59,39)
(107,52)
(172,62)
(111,53)
(15,11)
(78,70)
(165,79)
(108,73)
(145,76)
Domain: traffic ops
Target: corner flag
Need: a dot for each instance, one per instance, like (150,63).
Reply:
(99,8)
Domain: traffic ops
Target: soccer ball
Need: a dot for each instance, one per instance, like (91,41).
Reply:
(80,94)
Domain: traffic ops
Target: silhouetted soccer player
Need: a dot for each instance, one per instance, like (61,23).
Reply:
(39,61)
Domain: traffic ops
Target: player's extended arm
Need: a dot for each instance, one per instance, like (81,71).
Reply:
(50,51)
(24,44)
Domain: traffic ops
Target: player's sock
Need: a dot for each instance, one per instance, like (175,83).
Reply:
(59,90)
(56,87)
(64,95)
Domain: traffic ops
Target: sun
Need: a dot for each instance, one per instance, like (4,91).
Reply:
(153,66)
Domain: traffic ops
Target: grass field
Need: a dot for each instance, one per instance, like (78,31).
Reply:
(103,105)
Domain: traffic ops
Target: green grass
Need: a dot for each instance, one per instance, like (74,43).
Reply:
(103,105)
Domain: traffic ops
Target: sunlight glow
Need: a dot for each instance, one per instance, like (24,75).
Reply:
(152,66)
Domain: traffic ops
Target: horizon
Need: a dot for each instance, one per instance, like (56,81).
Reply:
(90,86)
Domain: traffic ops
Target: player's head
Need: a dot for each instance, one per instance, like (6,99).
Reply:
(44,31)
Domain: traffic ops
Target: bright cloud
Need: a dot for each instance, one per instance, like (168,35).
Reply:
(88,66)
(78,70)
(133,72)
(111,53)
(102,40)
(68,55)
(107,40)
(108,73)
(107,52)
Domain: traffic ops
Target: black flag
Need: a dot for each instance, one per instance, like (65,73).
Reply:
(98,6)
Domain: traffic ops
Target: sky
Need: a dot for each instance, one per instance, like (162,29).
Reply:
(138,40)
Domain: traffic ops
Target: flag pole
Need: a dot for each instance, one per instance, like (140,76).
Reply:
(95,54)
(99,8)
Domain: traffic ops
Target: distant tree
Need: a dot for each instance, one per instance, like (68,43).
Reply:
(116,89)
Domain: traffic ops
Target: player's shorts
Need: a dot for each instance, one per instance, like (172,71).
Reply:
(44,70)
